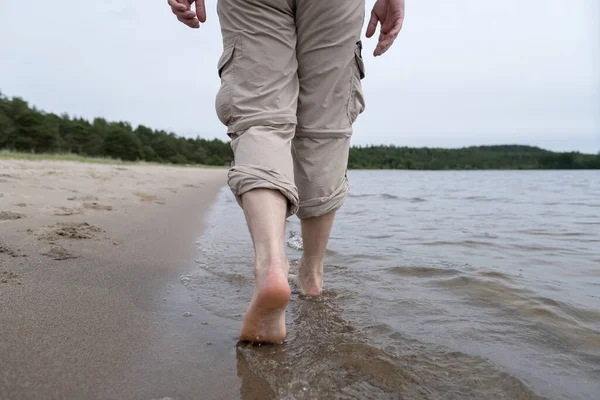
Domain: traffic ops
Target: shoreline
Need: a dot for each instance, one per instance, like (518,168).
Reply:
(93,306)
(76,158)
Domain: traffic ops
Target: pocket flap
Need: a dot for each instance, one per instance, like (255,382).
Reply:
(359,62)
(225,58)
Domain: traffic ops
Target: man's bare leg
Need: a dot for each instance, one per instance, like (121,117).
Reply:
(265,212)
(315,235)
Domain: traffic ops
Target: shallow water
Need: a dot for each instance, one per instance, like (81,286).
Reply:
(441,285)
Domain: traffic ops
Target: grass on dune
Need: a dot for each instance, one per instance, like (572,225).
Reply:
(12,155)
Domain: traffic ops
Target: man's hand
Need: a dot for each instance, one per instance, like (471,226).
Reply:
(182,9)
(390,14)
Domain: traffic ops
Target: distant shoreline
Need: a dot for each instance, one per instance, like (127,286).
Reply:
(32,134)
(62,157)
(11,155)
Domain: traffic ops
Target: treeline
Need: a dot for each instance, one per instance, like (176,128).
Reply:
(479,157)
(26,129)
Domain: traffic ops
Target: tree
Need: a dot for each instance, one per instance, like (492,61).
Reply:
(25,128)
(31,130)
(122,143)
(94,143)
(7,125)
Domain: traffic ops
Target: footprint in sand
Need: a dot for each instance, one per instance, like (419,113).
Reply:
(66,211)
(9,215)
(8,277)
(148,198)
(4,249)
(96,206)
(82,198)
(59,253)
(98,177)
(81,230)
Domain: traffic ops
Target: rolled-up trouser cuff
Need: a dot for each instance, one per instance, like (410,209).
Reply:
(244,178)
(263,119)
(319,206)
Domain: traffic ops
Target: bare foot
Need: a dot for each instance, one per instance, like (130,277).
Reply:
(309,279)
(265,318)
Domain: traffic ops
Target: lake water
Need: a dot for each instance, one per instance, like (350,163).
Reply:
(453,285)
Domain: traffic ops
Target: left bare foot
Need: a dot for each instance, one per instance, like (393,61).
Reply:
(265,318)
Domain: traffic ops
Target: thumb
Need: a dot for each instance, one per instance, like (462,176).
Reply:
(200,10)
(372,24)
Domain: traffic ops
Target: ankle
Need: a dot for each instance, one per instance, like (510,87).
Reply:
(271,265)
(310,277)
(311,265)
(311,271)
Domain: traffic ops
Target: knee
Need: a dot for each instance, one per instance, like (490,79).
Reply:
(262,160)
(320,164)
(246,177)
(314,204)
(268,146)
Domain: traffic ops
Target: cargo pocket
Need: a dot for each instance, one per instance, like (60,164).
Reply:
(356,103)
(224,99)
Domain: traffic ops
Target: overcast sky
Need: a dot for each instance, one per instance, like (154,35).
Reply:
(461,73)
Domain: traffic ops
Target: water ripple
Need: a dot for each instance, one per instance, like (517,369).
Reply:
(465,285)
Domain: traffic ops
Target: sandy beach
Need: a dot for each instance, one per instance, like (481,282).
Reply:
(90,300)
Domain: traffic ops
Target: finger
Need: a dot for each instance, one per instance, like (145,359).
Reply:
(382,45)
(185,14)
(187,19)
(200,10)
(387,40)
(191,22)
(372,25)
(382,48)
(176,6)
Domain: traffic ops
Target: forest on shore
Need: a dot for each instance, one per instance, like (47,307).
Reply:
(24,128)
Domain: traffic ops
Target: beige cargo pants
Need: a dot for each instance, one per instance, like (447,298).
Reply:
(290,91)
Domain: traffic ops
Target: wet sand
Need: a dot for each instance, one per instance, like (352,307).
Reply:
(90,300)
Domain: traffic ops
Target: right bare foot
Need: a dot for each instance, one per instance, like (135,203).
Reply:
(265,318)
(309,279)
